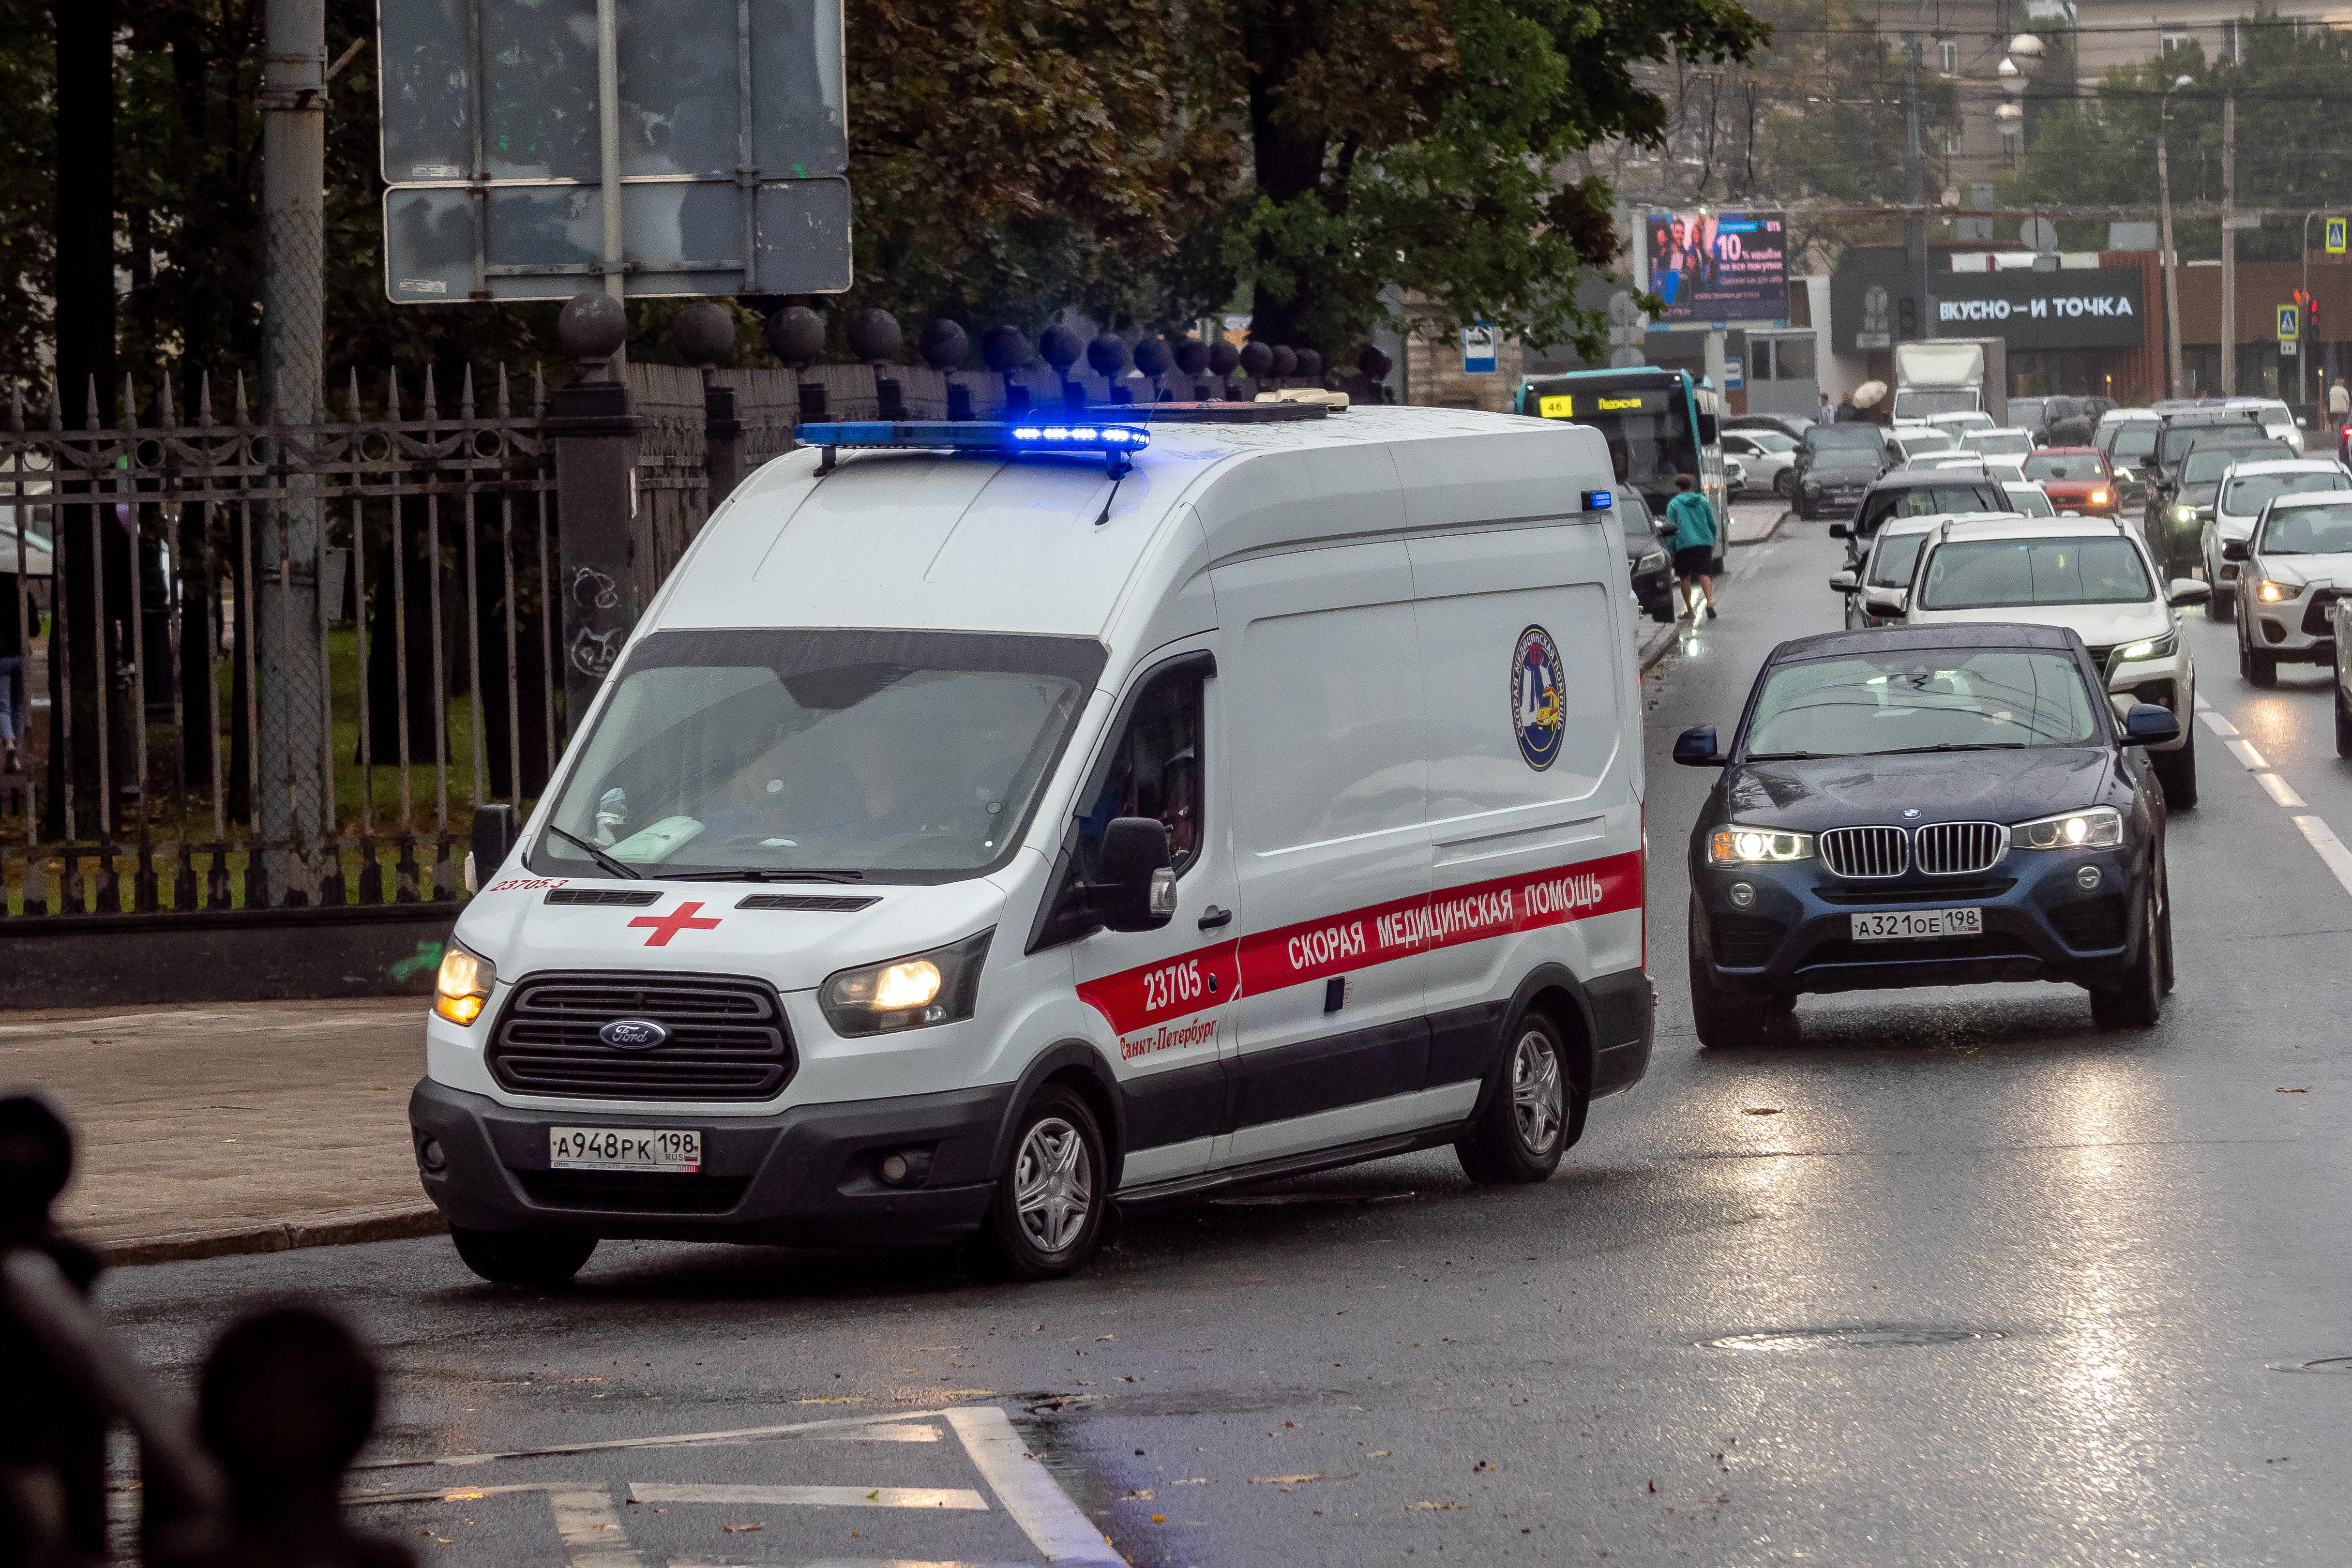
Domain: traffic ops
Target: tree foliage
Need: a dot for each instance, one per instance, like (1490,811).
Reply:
(1142,160)
(2292,94)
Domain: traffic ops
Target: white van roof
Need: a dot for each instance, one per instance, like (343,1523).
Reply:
(923,539)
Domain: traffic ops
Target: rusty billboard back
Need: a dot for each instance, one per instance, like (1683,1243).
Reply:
(506,123)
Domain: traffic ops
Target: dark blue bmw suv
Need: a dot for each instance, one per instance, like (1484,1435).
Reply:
(1928,805)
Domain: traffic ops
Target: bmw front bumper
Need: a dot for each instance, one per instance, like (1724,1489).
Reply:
(1795,934)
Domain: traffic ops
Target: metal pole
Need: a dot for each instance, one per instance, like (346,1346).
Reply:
(292,681)
(2229,333)
(1915,185)
(608,138)
(2303,310)
(2169,260)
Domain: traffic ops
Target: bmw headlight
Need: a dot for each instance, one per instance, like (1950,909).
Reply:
(2100,827)
(2163,647)
(911,992)
(2271,593)
(1737,846)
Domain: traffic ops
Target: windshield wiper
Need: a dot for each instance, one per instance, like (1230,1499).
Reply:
(1955,746)
(1789,756)
(760,874)
(597,855)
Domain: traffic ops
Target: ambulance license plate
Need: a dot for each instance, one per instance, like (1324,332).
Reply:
(1901,925)
(675,1150)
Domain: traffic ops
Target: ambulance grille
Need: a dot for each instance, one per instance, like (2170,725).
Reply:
(728,1038)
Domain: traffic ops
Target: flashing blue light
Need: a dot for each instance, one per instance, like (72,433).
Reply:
(1599,500)
(1116,443)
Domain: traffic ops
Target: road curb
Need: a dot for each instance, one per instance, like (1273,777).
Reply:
(1766,537)
(394,1222)
(1657,644)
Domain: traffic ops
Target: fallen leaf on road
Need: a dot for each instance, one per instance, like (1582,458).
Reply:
(1141,1493)
(583,1380)
(1193,1481)
(875,1493)
(1158,1519)
(742,1529)
(1105,1339)
(1759,1110)
(2305,1089)
(1433,1506)
(1378,1453)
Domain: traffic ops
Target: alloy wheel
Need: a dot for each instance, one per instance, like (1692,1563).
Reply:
(1053,1184)
(1536,1105)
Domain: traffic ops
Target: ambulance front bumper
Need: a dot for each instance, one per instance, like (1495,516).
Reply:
(808,1176)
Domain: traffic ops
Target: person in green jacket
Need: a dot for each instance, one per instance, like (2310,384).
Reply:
(1694,522)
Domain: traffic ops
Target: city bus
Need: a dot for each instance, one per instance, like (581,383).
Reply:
(1657,424)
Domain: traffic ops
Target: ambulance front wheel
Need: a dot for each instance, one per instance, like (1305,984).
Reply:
(529,1258)
(1535,1110)
(1052,1193)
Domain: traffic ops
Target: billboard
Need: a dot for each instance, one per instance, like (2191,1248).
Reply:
(1719,267)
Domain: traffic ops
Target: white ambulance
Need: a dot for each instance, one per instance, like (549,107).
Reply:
(988,823)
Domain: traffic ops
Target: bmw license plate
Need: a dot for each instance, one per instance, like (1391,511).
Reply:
(674,1150)
(1901,925)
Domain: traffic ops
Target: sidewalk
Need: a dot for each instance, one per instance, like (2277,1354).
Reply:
(250,1128)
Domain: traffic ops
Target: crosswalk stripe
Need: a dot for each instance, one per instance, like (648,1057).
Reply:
(1049,1518)
(591,1530)
(807,1497)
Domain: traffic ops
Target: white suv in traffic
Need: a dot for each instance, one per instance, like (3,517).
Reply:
(2092,577)
(2295,567)
(2245,489)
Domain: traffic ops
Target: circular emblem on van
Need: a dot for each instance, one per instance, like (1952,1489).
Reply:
(633,1034)
(1538,682)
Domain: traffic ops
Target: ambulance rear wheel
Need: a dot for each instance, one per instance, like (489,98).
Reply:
(528,1258)
(1534,1111)
(1051,1195)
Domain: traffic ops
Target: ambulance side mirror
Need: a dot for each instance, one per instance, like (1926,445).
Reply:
(494,840)
(1135,886)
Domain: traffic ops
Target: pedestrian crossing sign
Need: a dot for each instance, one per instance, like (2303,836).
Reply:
(2335,237)
(2290,323)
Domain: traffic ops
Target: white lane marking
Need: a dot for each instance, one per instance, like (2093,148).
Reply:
(1049,1519)
(838,1562)
(591,1530)
(2282,792)
(2214,721)
(2244,751)
(809,1497)
(839,1427)
(2330,848)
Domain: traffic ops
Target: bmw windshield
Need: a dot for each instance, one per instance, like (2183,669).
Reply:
(1920,699)
(890,755)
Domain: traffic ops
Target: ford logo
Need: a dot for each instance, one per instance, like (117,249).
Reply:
(633,1034)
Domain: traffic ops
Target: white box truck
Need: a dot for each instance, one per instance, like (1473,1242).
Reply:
(1950,375)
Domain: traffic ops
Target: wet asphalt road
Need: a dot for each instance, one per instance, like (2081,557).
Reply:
(1985,1285)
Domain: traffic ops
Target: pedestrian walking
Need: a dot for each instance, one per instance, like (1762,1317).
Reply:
(1846,412)
(1694,522)
(2339,405)
(13,646)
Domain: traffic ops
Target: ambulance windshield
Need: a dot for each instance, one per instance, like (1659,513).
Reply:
(888,755)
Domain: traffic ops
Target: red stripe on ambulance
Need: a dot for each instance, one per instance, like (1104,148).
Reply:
(1174,1004)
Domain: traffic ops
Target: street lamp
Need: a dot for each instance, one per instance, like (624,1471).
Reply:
(2166,258)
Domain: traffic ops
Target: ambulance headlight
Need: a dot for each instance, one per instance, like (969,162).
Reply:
(910,993)
(463,987)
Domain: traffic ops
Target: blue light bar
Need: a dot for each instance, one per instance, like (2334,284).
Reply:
(979,436)
(1599,501)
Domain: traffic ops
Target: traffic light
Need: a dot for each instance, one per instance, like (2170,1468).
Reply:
(1907,318)
(2310,303)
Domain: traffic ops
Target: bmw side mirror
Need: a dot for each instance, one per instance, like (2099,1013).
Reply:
(1843,582)
(1135,886)
(2233,549)
(1840,531)
(2149,725)
(494,840)
(1695,747)
(2190,591)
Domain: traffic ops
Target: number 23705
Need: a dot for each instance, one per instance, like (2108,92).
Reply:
(1172,985)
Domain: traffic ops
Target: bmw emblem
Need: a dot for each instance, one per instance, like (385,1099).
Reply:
(1910,810)
(633,1034)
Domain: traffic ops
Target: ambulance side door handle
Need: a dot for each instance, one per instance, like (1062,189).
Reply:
(1215,918)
